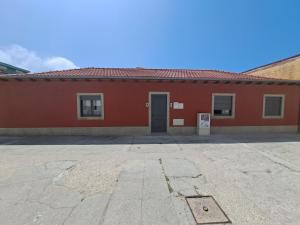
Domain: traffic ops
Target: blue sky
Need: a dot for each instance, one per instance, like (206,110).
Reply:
(232,35)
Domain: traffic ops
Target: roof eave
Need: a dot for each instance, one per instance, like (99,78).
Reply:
(28,77)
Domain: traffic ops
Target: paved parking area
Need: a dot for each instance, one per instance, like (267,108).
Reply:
(144,180)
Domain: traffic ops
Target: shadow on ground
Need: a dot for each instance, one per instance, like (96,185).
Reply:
(110,140)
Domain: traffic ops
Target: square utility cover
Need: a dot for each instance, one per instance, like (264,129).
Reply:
(206,210)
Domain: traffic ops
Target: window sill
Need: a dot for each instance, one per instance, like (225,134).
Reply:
(222,117)
(90,118)
(273,117)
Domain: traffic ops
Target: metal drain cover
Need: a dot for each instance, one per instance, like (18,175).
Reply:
(206,210)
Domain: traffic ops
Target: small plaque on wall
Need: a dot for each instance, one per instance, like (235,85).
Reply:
(178,122)
(178,105)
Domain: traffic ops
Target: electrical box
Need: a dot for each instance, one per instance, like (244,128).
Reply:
(203,124)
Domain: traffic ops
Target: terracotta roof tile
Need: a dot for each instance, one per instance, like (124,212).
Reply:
(139,73)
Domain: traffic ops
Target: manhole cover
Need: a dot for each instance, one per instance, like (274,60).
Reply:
(206,210)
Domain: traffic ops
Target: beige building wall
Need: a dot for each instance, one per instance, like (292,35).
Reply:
(285,69)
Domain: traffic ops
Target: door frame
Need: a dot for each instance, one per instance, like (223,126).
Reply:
(150,105)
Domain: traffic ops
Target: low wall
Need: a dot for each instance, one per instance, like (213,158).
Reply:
(93,131)
(101,131)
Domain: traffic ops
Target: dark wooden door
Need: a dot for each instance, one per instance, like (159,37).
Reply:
(159,112)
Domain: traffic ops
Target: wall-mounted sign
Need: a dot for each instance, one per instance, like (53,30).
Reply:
(178,105)
(178,122)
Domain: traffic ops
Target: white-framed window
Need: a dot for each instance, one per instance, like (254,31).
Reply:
(223,105)
(273,106)
(90,106)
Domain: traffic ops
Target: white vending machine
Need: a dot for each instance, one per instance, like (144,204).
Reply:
(203,124)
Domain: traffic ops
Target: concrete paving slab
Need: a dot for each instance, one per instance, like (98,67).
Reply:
(240,207)
(129,189)
(186,168)
(153,169)
(184,185)
(132,176)
(158,212)
(182,210)
(32,213)
(123,212)
(155,188)
(14,193)
(89,211)
(60,197)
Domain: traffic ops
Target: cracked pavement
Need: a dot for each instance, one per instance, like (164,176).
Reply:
(68,180)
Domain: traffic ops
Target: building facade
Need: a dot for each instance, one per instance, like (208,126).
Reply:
(141,102)
(288,68)
(10,69)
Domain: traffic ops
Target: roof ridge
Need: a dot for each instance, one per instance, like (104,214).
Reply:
(133,68)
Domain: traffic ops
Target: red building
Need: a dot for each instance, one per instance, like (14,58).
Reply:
(140,101)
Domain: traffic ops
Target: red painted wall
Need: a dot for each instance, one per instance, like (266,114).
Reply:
(53,103)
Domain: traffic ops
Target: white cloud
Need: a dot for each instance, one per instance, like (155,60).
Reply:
(19,56)
(59,63)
